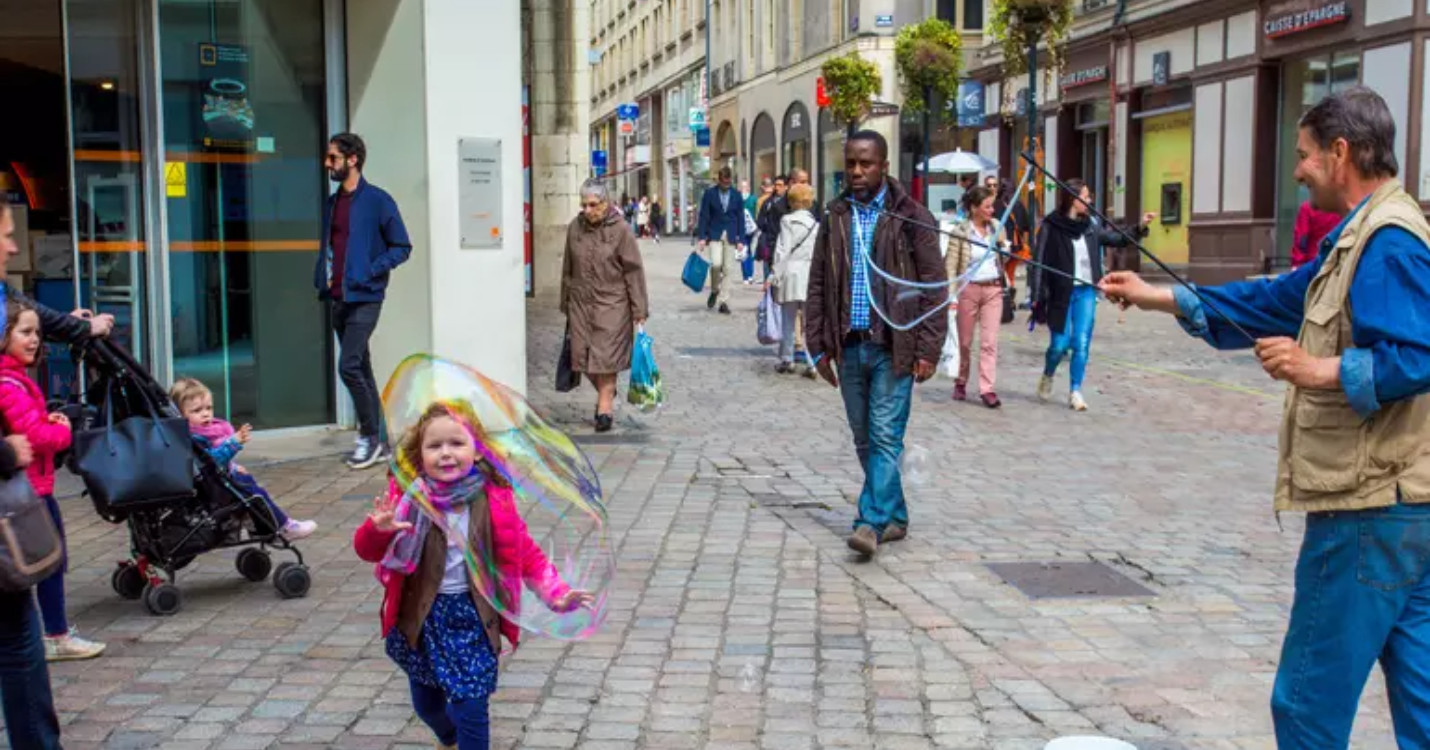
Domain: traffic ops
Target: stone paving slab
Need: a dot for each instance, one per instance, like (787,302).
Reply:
(740,620)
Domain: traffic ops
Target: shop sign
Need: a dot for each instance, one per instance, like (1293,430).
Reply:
(884,22)
(697,118)
(642,154)
(479,196)
(702,138)
(1161,68)
(883,109)
(1327,14)
(1095,74)
(970,104)
(598,162)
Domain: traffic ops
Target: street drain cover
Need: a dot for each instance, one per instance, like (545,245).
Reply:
(1067,580)
(723,351)
(618,438)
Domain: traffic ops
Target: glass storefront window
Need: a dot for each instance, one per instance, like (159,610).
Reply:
(244,100)
(1303,84)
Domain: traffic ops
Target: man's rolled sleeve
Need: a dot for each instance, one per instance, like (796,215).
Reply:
(1190,314)
(1358,381)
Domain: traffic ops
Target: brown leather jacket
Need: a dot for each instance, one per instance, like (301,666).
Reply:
(901,248)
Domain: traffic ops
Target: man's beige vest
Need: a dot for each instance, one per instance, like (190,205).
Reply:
(1331,458)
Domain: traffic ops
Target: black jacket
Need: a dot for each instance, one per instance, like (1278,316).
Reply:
(1052,293)
(771,214)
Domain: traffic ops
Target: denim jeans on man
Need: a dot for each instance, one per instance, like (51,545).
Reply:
(1076,335)
(1362,595)
(877,402)
(354,323)
(464,724)
(29,708)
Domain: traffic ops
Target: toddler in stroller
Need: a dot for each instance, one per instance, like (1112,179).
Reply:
(223,442)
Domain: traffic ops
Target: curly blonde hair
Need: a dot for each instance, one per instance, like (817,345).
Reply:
(409,451)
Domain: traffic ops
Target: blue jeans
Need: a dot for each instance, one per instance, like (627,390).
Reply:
(463,723)
(29,708)
(50,593)
(877,403)
(246,483)
(1362,595)
(1076,335)
(747,266)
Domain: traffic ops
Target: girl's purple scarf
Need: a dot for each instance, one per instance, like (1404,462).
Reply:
(427,502)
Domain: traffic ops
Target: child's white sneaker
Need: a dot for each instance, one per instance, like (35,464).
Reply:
(295,530)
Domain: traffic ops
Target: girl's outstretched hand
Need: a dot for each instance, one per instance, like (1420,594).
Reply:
(384,513)
(573,600)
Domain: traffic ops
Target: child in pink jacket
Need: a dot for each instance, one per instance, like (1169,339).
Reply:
(22,406)
(436,619)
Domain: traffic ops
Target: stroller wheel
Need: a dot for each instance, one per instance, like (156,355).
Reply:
(292,580)
(163,599)
(127,581)
(253,564)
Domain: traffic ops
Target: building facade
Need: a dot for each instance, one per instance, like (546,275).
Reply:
(164,159)
(1190,110)
(650,54)
(766,59)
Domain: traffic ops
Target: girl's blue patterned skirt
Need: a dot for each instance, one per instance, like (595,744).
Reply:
(453,653)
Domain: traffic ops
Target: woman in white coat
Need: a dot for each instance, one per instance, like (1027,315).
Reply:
(790,279)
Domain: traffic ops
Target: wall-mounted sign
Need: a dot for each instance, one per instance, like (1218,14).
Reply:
(1327,14)
(821,94)
(598,163)
(697,118)
(626,127)
(884,21)
(642,155)
(1095,74)
(1161,68)
(883,109)
(970,104)
(479,188)
(702,138)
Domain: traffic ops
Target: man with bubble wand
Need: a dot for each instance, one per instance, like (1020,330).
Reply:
(1349,336)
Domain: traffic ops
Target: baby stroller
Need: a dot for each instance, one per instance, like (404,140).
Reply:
(167,533)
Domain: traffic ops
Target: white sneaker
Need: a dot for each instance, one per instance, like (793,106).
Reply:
(71,647)
(368,453)
(295,530)
(1045,388)
(1076,402)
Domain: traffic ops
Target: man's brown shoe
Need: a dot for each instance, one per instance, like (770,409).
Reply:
(894,532)
(864,541)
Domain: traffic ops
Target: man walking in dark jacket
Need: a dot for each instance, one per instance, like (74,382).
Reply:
(873,363)
(722,221)
(363,240)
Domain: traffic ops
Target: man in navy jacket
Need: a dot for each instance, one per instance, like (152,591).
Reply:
(722,220)
(363,240)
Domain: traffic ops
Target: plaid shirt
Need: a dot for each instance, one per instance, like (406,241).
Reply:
(864,219)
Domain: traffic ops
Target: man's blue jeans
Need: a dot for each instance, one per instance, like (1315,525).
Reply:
(877,403)
(1362,595)
(463,723)
(29,707)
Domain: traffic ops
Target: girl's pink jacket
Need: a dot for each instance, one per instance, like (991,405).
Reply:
(519,560)
(22,406)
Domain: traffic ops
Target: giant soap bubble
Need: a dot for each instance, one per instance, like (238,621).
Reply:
(557,494)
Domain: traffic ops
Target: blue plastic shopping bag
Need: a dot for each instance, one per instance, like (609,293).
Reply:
(646,392)
(696,270)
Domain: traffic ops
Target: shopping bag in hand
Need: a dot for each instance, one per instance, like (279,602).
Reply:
(646,391)
(697,269)
(769,321)
(948,358)
(566,379)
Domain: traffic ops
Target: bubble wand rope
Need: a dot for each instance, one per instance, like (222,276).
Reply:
(1140,247)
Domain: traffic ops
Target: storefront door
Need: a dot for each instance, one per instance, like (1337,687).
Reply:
(244,101)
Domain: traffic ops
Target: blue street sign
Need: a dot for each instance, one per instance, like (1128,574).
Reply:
(628,112)
(970,104)
(702,137)
(598,162)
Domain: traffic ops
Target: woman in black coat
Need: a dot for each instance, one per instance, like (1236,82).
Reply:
(1071,242)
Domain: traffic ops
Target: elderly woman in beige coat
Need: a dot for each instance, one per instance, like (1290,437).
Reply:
(603,295)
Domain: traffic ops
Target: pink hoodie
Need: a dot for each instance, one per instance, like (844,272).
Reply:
(22,406)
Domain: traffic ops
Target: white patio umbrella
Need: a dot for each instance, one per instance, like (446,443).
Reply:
(958,162)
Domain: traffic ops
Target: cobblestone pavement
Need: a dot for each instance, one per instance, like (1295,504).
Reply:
(741,621)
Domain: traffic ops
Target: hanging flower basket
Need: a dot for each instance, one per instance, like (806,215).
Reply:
(1019,24)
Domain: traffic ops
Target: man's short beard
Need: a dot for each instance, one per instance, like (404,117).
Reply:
(339,175)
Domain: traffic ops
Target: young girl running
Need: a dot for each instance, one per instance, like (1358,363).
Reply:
(196,403)
(438,627)
(22,405)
